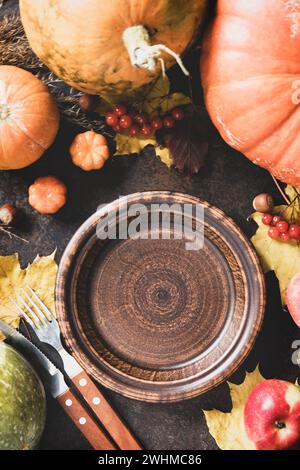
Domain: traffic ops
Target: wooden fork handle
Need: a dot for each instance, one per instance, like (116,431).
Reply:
(84,422)
(106,414)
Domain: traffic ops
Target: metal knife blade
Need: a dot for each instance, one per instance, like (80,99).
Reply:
(51,376)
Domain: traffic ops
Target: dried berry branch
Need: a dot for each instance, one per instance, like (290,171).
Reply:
(280,190)
(11,235)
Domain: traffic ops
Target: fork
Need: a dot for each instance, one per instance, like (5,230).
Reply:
(46,327)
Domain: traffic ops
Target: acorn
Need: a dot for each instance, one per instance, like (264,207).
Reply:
(9,215)
(263,203)
(88,103)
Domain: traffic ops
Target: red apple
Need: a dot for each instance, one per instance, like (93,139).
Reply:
(293,298)
(272,416)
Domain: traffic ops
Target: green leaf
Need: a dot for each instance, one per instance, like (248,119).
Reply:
(228,429)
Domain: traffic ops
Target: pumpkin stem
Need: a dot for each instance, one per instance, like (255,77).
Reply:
(4,112)
(143,55)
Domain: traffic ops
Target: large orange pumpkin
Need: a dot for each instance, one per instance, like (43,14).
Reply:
(109,47)
(251,78)
(29,118)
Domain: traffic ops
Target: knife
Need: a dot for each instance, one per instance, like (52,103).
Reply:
(55,384)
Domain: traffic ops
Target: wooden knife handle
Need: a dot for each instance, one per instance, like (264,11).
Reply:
(106,414)
(84,422)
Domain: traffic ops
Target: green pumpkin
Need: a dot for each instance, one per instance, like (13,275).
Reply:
(22,402)
(112,47)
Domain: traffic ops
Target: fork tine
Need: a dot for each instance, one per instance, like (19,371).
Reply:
(32,315)
(37,312)
(24,314)
(49,315)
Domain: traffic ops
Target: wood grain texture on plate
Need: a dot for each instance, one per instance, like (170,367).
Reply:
(153,320)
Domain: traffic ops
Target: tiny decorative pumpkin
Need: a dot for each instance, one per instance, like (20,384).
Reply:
(89,151)
(29,118)
(110,47)
(47,195)
(251,79)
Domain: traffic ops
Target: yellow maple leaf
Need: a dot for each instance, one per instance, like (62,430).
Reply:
(126,145)
(160,100)
(2,336)
(282,258)
(228,429)
(135,98)
(164,155)
(293,195)
(153,98)
(40,276)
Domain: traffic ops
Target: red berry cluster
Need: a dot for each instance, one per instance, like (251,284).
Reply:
(120,118)
(280,229)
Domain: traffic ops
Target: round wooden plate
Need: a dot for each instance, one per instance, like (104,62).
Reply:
(151,319)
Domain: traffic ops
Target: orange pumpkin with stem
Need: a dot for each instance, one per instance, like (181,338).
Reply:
(251,79)
(29,118)
(110,47)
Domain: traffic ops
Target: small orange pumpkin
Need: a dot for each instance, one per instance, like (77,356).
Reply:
(47,195)
(89,151)
(29,118)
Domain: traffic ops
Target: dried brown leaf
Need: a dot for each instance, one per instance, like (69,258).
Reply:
(187,141)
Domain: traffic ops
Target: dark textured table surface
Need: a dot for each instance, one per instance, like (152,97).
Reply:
(229,182)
